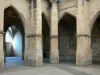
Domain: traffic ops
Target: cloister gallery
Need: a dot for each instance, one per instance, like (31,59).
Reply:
(33,32)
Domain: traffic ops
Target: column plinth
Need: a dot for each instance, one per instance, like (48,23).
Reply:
(84,52)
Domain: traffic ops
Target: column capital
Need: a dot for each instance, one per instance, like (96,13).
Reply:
(53,2)
(83,35)
(2,32)
(34,35)
(54,36)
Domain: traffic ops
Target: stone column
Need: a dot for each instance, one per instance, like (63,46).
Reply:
(38,23)
(1,51)
(29,39)
(1,37)
(84,53)
(34,55)
(54,53)
(38,34)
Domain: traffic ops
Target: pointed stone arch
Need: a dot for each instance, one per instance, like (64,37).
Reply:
(67,38)
(46,18)
(94,20)
(95,38)
(66,13)
(13,16)
(19,14)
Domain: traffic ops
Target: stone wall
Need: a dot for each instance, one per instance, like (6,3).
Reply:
(69,6)
(96,49)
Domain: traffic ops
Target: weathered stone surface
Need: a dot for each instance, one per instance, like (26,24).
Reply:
(85,11)
(84,52)
(1,52)
(54,54)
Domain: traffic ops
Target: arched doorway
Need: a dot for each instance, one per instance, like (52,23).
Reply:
(95,41)
(46,38)
(67,38)
(14,37)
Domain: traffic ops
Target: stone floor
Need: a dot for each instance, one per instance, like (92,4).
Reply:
(49,69)
(12,61)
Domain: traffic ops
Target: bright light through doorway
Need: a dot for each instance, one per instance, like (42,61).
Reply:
(16,42)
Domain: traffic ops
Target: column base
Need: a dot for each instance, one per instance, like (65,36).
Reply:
(1,69)
(84,52)
(54,52)
(54,61)
(33,62)
(34,55)
(84,61)
(39,64)
(1,53)
(1,66)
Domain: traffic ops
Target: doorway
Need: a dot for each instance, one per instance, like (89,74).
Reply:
(13,38)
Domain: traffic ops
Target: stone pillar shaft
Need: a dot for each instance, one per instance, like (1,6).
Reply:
(38,23)
(54,53)
(34,55)
(84,53)
(83,17)
(1,51)
(1,36)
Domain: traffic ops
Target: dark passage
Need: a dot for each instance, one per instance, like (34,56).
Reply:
(96,41)
(46,38)
(67,39)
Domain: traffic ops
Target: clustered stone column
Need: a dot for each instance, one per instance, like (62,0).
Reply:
(33,52)
(30,40)
(38,23)
(84,53)
(54,53)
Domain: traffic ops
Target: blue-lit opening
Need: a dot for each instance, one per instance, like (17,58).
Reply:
(13,48)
